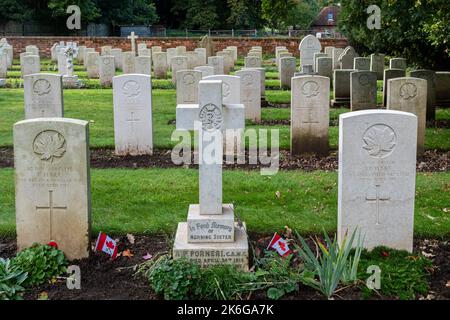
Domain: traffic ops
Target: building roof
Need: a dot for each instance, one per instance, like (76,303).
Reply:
(327,17)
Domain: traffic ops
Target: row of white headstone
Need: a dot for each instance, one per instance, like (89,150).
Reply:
(376,193)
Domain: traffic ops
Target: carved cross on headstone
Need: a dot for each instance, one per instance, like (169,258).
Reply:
(51,207)
(377,200)
(311,116)
(132,120)
(133,38)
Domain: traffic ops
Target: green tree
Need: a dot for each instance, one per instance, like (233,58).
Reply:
(302,14)
(276,11)
(245,14)
(119,12)
(15,10)
(202,14)
(89,9)
(416,30)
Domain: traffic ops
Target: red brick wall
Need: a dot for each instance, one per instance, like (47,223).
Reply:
(243,44)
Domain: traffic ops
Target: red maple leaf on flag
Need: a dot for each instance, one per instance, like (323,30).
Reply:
(282,246)
(110,245)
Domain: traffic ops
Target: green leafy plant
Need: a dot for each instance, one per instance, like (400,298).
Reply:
(333,264)
(11,280)
(280,275)
(41,262)
(174,279)
(403,275)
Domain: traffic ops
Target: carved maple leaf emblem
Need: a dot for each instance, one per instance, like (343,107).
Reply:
(49,145)
(379,141)
(131,88)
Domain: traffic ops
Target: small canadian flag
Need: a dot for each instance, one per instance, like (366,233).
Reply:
(280,245)
(106,244)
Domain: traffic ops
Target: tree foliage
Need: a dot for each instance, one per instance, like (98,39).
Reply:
(416,30)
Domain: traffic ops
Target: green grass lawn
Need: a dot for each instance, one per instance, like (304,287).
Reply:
(153,200)
(96,106)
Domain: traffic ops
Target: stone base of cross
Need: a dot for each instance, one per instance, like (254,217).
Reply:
(210,235)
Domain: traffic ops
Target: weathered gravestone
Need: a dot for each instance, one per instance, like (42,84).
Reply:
(117,53)
(397,63)
(202,59)
(308,46)
(43,96)
(206,70)
(105,50)
(262,79)
(210,236)
(107,70)
(251,93)
(346,59)
(329,52)
(178,63)
(133,128)
(443,89)
(128,62)
(227,61)
(287,70)
(145,52)
(410,95)
(217,63)
(160,65)
(187,86)
(325,67)
(252,62)
(92,64)
(377,65)
(143,65)
(335,55)
(430,76)
(207,43)
(318,55)
(30,64)
(388,75)
(86,52)
(310,105)
(377,174)
(3,65)
(180,50)
(32,49)
(341,84)
(170,53)
(363,90)
(51,158)
(361,64)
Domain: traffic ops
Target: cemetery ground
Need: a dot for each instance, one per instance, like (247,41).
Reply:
(144,196)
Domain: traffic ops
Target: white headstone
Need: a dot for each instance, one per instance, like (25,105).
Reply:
(308,46)
(133,129)
(410,95)
(107,70)
(178,63)
(43,96)
(377,174)
(310,106)
(187,86)
(251,93)
(53,184)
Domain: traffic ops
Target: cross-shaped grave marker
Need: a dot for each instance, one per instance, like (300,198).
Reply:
(133,38)
(208,116)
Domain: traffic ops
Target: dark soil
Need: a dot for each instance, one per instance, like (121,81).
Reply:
(104,279)
(432,161)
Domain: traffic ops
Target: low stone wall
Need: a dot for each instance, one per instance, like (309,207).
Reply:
(243,44)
